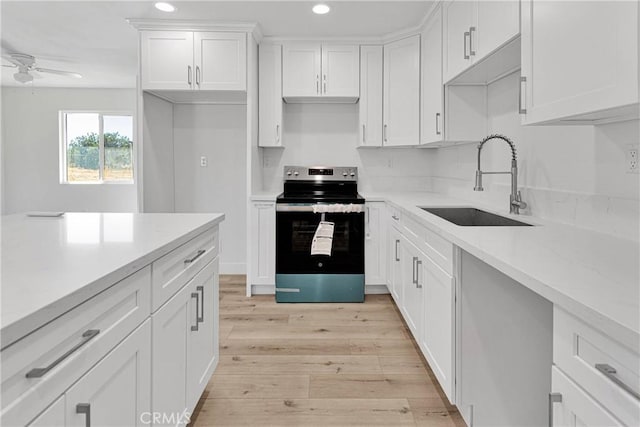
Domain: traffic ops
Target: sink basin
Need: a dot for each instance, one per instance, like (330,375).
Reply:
(472,217)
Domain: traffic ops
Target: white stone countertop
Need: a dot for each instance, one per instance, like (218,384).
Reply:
(50,265)
(592,275)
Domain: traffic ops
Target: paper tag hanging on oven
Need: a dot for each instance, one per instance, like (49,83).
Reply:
(323,239)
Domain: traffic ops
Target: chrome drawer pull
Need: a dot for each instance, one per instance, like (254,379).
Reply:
(415,271)
(201,290)
(86,337)
(553,398)
(467,34)
(194,328)
(610,372)
(84,408)
(397,241)
(197,255)
(418,264)
(395,217)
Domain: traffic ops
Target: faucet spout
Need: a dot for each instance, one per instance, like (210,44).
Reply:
(515,199)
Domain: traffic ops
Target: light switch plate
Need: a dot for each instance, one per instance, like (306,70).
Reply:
(632,159)
(203,162)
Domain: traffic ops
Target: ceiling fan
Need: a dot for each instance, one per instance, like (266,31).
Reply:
(27,64)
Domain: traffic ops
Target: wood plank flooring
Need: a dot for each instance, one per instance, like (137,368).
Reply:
(318,365)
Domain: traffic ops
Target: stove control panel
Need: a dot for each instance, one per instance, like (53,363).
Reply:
(320,173)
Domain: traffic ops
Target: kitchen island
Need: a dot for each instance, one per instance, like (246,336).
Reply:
(97,307)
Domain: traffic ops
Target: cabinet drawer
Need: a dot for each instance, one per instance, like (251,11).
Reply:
(171,272)
(438,249)
(76,340)
(576,407)
(578,348)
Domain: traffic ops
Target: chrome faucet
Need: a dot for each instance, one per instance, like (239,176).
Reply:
(515,200)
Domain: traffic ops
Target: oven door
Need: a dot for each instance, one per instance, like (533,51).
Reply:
(295,226)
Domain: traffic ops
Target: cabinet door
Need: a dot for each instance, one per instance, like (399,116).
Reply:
(167,60)
(375,238)
(340,70)
(457,20)
(401,109)
(395,265)
(270,95)
(301,69)
(577,408)
(202,346)
(117,391)
(432,89)
(438,328)
(220,60)
(53,416)
(370,104)
(263,251)
(412,287)
(578,58)
(171,327)
(497,22)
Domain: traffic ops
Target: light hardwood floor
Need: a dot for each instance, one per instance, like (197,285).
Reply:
(318,364)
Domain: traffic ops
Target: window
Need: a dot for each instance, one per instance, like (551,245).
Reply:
(96,147)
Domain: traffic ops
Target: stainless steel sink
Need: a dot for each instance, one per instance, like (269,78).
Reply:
(472,217)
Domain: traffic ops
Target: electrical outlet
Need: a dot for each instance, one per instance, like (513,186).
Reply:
(203,162)
(632,160)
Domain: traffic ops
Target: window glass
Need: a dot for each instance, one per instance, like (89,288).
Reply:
(118,148)
(83,147)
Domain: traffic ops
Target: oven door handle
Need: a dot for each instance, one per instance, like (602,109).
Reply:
(298,207)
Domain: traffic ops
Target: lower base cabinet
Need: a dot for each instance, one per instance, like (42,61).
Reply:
(185,347)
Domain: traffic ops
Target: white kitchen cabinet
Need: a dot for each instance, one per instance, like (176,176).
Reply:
(412,287)
(117,391)
(472,30)
(579,62)
(574,407)
(53,416)
(270,95)
(370,104)
(401,107)
(375,244)
(394,270)
(316,71)
(263,249)
(437,339)
(185,60)
(185,345)
(432,88)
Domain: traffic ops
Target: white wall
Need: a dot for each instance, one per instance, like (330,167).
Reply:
(327,135)
(31,147)
(571,174)
(218,132)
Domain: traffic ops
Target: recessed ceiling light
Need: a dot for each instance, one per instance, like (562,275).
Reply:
(321,9)
(165,7)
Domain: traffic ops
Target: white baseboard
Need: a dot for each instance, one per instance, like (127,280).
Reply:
(271,289)
(233,268)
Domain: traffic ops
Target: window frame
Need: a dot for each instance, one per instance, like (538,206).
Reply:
(62,166)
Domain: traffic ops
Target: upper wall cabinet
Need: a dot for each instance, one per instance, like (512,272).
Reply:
(401,106)
(370,111)
(270,95)
(320,72)
(184,60)
(472,32)
(579,62)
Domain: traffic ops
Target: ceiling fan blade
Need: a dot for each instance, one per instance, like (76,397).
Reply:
(10,66)
(59,72)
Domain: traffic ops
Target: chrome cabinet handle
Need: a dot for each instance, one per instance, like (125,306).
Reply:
(466,34)
(201,290)
(198,75)
(553,398)
(363,134)
(415,279)
(278,133)
(438,124)
(84,408)
(471,51)
(194,328)
(368,215)
(395,217)
(610,372)
(397,242)
(521,95)
(189,74)
(325,83)
(86,337)
(418,264)
(196,256)
(317,84)
(384,133)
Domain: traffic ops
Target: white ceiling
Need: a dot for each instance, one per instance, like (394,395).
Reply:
(94,39)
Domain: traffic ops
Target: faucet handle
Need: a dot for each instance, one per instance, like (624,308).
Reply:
(519,202)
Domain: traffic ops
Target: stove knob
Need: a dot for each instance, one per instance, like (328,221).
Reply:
(296,173)
(344,174)
(289,173)
(352,174)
